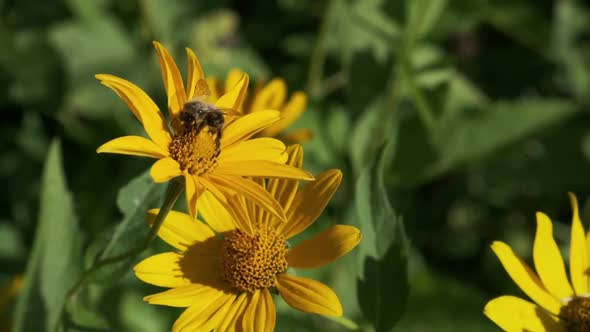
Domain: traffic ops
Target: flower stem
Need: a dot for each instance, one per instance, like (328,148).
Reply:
(346,322)
(174,190)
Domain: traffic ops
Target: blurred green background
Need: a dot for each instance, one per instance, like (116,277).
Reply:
(482,104)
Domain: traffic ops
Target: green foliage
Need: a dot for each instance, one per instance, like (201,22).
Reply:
(482,106)
(383,282)
(54,265)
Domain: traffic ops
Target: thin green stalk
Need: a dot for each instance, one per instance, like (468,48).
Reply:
(315,72)
(174,190)
(346,322)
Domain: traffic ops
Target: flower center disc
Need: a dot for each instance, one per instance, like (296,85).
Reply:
(196,152)
(576,314)
(252,262)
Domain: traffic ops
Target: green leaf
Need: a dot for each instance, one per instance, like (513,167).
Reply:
(134,199)
(54,264)
(423,16)
(375,126)
(382,286)
(470,135)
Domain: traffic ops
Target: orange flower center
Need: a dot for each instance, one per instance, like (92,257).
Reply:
(576,314)
(196,152)
(250,262)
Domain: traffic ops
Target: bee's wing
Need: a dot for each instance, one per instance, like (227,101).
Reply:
(230,111)
(201,90)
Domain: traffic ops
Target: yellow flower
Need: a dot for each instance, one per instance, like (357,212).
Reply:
(207,162)
(559,305)
(226,271)
(272,96)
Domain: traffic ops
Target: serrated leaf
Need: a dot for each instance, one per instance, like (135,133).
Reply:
(55,261)
(383,285)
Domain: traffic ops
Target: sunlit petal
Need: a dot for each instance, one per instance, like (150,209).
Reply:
(233,319)
(289,114)
(172,80)
(215,213)
(182,296)
(162,270)
(180,230)
(525,278)
(195,73)
(255,149)
(142,106)
(272,96)
(193,190)
(308,295)
(233,99)
(297,136)
(511,313)
(133,145)
(250,190)
(548,261)
(263,168)
(309,202)
(284,190)
(325,247)
(579,264)
(260,313)
(205,313)
(165,169)
(246,126)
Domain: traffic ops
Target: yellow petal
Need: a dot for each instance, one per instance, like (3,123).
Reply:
(325,247)
(249,189)
(233,77)
(180,230)
(284,190)
(525,278)
(263,168)
(260,313)
(193,191)
(181,297)
(133,145)
(246,126)
(215,213)
(205,313)
(548,261)
(289,114)
(298,136)
(162,270)
(310,202)
(308,295)
(195,73)
(255,149)
(237,206)
(142,106)
(213,84)
(272,96)
(233,99)
(233,319)
(172,81)
(165,169)
(578,251)
(511,313)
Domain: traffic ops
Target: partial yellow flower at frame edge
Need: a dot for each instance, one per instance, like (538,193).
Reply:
(273,95)
(558,305)
(226,271)
(195,155)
